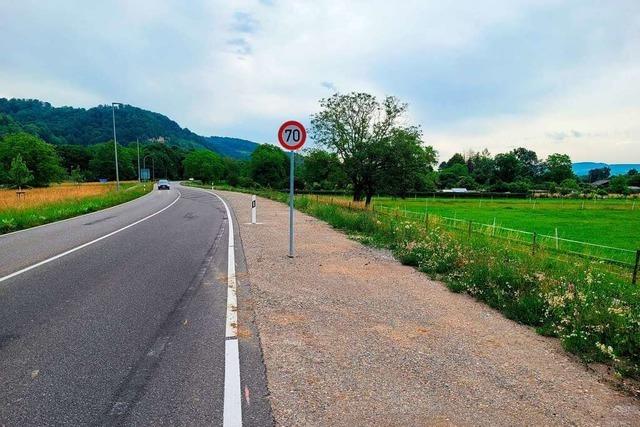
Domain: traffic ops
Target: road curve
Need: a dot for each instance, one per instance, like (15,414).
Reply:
(127,330)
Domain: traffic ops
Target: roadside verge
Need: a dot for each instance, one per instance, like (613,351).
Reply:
(350,336)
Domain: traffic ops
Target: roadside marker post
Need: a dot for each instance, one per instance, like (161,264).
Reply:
(253,209)
(292,135)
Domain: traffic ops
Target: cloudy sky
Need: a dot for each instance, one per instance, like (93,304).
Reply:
(554,76)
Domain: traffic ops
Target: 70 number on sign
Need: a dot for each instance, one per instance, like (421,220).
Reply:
(292,135)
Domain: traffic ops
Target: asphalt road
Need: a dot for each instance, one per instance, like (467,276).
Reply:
(129,329)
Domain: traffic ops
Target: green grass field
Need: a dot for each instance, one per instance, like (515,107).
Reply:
(605,222)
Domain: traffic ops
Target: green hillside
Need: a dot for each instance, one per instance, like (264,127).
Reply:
(79,126)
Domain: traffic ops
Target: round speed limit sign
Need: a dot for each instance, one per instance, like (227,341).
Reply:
(292,135)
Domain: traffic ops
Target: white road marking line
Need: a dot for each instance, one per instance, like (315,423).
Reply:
(232,412)
(84,245)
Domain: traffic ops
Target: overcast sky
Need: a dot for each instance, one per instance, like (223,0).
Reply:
(553,76)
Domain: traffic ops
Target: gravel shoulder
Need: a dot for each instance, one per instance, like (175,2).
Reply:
(352,337)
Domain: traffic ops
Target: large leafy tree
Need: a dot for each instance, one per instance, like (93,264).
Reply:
(322,170)
(407,164)
(483,167)
(358,128)
(558,168)
(619,185)
(41,158)
(204,165)
(528,163)
(103,164)
(269,166)
(507,167)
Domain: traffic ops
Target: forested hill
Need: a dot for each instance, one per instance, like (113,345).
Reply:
(79,126)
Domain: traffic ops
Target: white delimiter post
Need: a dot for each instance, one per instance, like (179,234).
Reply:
(253,209)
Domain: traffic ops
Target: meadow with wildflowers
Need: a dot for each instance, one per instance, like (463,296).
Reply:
(590,306)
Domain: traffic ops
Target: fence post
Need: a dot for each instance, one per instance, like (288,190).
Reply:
(557,238)
(533,243)
(634,280)
(493,232)
(426,221)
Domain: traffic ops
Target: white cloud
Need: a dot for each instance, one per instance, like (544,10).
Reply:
(238,68)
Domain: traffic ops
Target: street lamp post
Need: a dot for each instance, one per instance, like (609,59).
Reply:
(115,142)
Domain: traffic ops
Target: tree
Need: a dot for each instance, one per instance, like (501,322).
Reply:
(407,163)
(598,174)
(568,185)
(41,158)
(203,165)
(269,166)
(76,175)
(232,171)
(529,165)
(507,167)
(103,163)
(619,185)
(558,168)
(450,176)
(74,156)
(167,160)
(456,159)
(484,167)
(322,170)
(19,174)
(357,127)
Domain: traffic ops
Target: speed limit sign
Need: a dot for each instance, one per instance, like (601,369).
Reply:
(292,135)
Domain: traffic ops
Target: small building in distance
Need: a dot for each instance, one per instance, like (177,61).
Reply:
(601,183)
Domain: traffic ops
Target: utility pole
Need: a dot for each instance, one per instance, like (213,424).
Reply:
(115,142)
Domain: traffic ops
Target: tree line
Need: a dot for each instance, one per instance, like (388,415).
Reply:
(363,145)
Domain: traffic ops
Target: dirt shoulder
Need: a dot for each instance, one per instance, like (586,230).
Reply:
(352,337)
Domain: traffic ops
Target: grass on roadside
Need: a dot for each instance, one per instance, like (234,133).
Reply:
(44,205)
(594,312)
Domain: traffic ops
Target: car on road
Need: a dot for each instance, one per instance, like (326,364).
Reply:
(163,184)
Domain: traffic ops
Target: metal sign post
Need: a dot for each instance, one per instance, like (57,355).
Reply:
(292,135)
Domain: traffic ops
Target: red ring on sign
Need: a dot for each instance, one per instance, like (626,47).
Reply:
(303,135)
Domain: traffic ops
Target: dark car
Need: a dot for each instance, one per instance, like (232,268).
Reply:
(163,184)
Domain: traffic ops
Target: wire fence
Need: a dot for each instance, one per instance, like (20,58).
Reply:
(626,258)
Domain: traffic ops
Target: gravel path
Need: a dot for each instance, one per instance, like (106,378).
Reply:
(352,337)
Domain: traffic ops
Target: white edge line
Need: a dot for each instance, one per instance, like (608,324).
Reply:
(84,245)
(232,412)
(76,217)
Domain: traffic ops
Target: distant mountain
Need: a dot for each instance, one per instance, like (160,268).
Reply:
(79,126)
(231,147)
(583,168)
